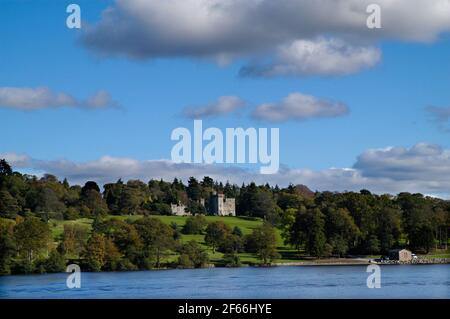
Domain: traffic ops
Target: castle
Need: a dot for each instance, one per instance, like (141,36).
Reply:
(179,210)
(219,205)
(222,206)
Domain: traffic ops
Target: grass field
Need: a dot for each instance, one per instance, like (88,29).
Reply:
(245,224)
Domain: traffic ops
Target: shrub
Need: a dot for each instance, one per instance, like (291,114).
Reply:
(71,214)
(22,266)
(192,255)
(194,225)
(231,260)
(54,263)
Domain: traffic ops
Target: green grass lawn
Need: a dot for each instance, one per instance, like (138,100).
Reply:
(287,254)
(57,226)
(436,255)
(245,224)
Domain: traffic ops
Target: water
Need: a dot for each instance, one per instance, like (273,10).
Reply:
(404,281)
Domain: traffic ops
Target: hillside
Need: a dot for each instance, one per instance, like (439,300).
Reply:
(245,224)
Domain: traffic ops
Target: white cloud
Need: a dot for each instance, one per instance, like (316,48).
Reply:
(298,106)
(422,168)
(225,30)
(223,105)
(418,163)
(28,99)
(318,57)
(17,160)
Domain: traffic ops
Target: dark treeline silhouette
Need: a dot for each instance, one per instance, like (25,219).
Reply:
(317,224)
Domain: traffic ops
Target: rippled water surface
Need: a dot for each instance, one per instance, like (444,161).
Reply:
(405,281)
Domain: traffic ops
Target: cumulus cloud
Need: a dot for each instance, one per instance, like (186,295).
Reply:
(440,116)
(298,106)
(225,30)
(223,105)
(422,168)
(318,57)
(420,162)
(27,99)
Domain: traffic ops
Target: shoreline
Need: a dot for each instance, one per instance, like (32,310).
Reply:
(324,262)
(363,261)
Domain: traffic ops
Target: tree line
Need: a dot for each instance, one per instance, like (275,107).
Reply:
(318,224)
(113,244)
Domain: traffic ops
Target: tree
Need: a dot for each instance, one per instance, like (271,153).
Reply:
(133,196)
(373,244)
(237,231)
(194,225)
(207,182)
(196,208)
(93,200)
(7,246)
(112,256)
(389,227)
(308,230)
(422,237)
(71,213)
(112,194)
(95,252)
(263,241)
(124,236)
(417,220)
(194,189)
(5,168)
(72,196)
(315,239)
(341,230)
(74,239)
(9,208)
(290,201)
(88,186)
(231,244)
(256,202)
(231,260)
(289,229)
(156,236)
(192,255)
(216,233)
(176,231)
(31,237)
(47,201)
(54,263)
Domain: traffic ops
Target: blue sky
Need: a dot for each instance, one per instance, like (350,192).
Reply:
(387,101)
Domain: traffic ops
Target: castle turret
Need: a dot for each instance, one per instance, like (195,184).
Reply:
(222,206)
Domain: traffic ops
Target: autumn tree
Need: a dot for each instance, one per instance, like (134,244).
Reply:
(95,252)
(74,239)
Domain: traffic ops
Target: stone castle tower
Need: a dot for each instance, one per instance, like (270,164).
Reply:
(222,206)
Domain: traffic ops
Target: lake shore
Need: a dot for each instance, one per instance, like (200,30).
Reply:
(361,261)
(316,262)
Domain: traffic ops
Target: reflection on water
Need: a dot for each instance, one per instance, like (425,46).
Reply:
(405,281)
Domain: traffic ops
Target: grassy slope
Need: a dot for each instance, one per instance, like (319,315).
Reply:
(287,253)
(246,225)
